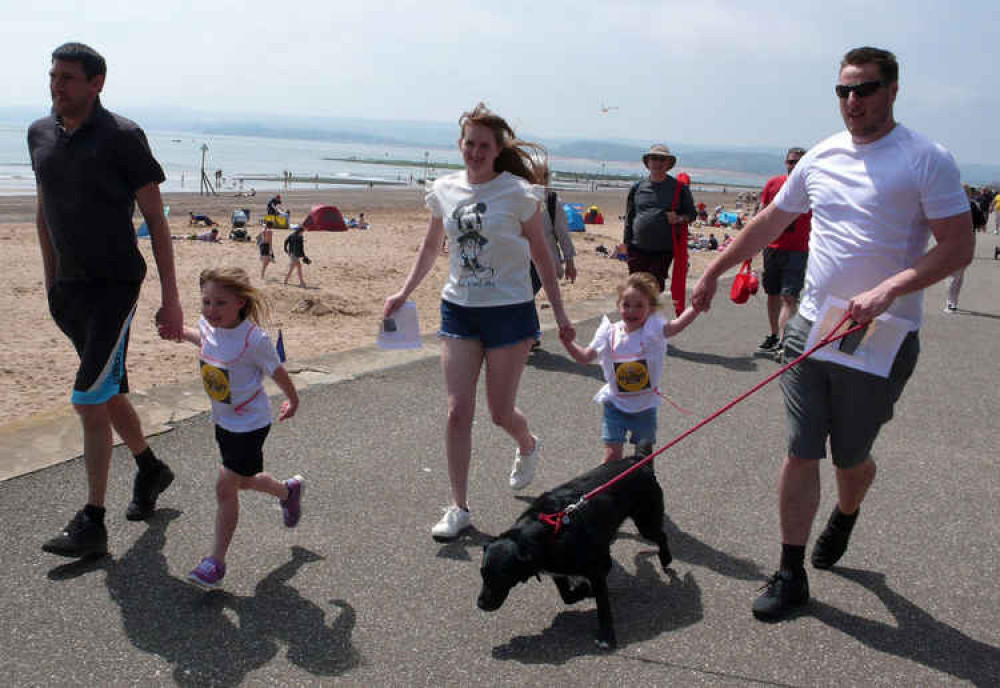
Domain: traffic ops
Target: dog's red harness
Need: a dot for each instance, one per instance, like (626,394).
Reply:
(561,518)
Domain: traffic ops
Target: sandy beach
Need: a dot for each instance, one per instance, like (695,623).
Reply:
(351,274)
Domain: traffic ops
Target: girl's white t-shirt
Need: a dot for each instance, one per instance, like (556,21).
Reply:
(489,257)
(871,206)
(233,363)
(632,363)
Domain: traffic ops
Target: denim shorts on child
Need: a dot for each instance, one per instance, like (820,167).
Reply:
(823,399)
(617,422)
(494,326)
(242,452)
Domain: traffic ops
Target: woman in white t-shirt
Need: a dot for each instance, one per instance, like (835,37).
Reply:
(491,217)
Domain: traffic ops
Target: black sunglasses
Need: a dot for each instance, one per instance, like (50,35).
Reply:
(794,161)
(862,90)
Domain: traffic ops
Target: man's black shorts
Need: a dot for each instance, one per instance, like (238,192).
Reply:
(96,318)
(784,272)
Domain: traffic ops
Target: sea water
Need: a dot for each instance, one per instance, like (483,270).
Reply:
(248,162)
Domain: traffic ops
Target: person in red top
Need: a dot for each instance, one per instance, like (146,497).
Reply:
(784,261)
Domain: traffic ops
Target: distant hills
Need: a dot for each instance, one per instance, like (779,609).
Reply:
(760,161)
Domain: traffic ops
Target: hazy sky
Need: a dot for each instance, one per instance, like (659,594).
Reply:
(702,72)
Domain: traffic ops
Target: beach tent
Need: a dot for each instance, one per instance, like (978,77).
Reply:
(143,231)
(728,218)
(324,218)
(574,217)
(594,216)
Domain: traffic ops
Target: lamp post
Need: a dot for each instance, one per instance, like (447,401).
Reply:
(204,178)
(427,156)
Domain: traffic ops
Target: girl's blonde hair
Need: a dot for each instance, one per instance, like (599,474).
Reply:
(643,282)
(236,280)
(520,158)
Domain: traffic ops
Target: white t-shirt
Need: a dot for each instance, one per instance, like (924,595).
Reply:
(871,206)
(488,255)
(233,363)
(632,363)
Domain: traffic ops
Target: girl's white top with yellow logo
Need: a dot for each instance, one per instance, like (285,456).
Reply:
(233,363)
(632,363)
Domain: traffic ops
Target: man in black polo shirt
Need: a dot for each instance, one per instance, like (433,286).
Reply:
(91,167)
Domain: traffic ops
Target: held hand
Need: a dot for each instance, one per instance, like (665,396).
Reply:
(704,292)
(392,304)
(868,305)
(288,409)
(170,321)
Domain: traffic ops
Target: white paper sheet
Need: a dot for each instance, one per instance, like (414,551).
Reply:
(407,334)
(876,352)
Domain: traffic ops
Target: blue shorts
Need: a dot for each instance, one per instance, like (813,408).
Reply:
(617,422)
(494,326)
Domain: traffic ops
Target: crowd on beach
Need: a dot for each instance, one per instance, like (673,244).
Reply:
(506,241)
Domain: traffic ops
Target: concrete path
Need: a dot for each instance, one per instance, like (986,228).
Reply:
(359,594)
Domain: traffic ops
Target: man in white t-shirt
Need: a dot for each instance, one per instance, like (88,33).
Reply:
(877,192)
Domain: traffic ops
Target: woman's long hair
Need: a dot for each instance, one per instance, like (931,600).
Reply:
(521,158)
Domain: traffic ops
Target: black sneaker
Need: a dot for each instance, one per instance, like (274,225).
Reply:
(783,593)
(147,487)
(769,345)
(83,537)
(830,547)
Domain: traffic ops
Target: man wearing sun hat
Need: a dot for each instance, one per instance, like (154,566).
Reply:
(657,207)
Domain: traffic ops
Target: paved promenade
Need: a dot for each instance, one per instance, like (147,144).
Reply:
(359,594)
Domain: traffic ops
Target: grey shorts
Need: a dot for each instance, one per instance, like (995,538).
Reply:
(823,399)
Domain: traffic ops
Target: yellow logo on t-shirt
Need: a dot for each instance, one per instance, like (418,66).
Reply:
(216,382)
(632,376)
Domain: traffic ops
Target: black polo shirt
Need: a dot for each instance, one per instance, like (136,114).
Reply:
(88,181)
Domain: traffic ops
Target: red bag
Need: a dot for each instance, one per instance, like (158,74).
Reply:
(745,284)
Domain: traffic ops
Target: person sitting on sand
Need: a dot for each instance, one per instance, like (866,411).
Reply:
(361,221)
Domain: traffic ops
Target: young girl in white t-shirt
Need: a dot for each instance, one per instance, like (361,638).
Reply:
(631,353)
(234,355)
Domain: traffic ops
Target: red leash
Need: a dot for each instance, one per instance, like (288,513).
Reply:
(557,520)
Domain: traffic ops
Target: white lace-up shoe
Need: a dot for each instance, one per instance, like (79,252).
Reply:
(453,522)
(525,465)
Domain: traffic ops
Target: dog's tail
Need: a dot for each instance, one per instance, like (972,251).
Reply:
(643,449)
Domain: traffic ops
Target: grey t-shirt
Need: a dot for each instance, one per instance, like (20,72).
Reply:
(646,225)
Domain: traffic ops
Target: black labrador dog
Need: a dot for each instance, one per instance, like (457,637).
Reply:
(578,556)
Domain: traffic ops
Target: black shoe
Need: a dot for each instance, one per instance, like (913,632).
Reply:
(83,537)
(783,593)
(769,345)
(147,487)
(830,546)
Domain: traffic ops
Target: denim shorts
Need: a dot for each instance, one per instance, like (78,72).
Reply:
(823,399)
(617,423)
(494,326)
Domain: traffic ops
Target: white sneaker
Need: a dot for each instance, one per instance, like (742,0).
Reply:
(453,522)
(525,465)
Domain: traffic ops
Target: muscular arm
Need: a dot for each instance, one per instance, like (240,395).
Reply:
(954,249)
(758,233)
(45,244)
(170,317)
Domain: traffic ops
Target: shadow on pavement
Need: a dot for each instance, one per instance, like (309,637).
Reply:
(215,637)
(916,636)
(561,363)
(644,605)
(738,363)
(688,548)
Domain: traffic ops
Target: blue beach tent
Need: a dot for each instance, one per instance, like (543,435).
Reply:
(574,217)
(143,231)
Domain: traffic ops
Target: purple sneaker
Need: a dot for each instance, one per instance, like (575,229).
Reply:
(291,508)
(208,574)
